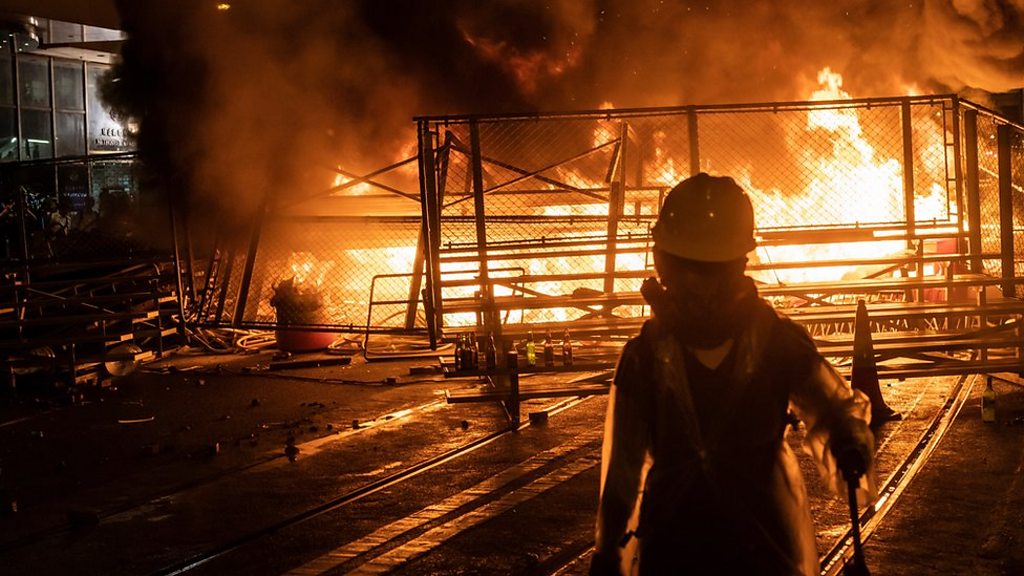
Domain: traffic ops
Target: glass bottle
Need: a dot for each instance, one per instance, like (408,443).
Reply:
(458,352)
(549,350)
(490,352)
(566,349)
(474,352)
(467,353)
(988,403)
(531,350)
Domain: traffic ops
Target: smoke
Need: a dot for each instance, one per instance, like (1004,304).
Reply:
(263,100)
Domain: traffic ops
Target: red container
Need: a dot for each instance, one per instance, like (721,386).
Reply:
(302,340)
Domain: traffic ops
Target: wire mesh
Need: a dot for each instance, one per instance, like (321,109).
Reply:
(988,190)
(566,202)
(343,260)
(1017,190)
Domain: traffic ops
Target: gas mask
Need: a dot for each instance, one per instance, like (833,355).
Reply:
(702,304)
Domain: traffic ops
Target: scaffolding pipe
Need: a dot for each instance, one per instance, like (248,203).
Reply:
(1006,247)
(489,320)
(431,299)
(970,174)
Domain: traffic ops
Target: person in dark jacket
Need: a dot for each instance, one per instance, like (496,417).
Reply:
(699,406)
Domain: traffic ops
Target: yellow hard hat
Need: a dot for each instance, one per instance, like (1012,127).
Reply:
(706,218)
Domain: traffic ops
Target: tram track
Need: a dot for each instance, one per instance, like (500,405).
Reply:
(267,459)
(201,559)
(834,560)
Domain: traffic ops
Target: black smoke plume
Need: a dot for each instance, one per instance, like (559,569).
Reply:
(263,99)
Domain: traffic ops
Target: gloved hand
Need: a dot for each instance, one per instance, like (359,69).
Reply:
(604,564)
(850,459)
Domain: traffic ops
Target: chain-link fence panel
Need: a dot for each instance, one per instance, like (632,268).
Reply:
(348,259)
(548,198)
(988,191)
(563,204)
(1016,151)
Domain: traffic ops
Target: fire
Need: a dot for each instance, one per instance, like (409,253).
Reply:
(340,187)
(852,164)
(307,271)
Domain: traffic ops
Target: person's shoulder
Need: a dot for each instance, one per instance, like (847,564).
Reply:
(789,336)
(638,352)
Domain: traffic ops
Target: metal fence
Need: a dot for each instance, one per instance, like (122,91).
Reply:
(542,222)
(519,223)
(344,260)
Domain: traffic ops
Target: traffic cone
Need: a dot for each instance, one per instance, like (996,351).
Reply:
(864,373)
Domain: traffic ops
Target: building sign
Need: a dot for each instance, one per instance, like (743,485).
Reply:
(105,133)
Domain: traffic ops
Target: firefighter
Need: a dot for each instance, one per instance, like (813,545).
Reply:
(699,406)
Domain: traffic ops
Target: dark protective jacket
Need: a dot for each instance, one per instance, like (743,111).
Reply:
(723,493)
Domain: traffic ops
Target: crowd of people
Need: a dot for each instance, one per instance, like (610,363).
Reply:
(55,226)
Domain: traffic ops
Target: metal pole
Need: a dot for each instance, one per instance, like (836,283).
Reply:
(177,278)
(958,177)
(190,256)
(250,261)
(971,179)
(908,172)
(692,130)
(481,226)
(1006,247)
(615,203)
(425,247)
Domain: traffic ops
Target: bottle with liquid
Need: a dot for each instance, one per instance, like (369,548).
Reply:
(467,353)
(458,353)
(474,351)
(490,352)
(566,349)
(531,350)
(549,350)
(988,403)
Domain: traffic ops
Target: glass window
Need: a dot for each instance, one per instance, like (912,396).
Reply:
(8,134)
(70,136)
(34,80)
(6,79)
(68,80)
(35,129)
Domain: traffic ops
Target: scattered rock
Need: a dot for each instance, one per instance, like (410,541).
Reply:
(465,424)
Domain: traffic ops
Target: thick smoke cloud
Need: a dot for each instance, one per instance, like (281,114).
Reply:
(266,97)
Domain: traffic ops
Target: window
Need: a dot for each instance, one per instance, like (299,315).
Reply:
(69,99)
(34,82)
(8,112)
(36,130)
(68,81)
(70,135)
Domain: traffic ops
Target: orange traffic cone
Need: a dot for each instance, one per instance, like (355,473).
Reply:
(864,373)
